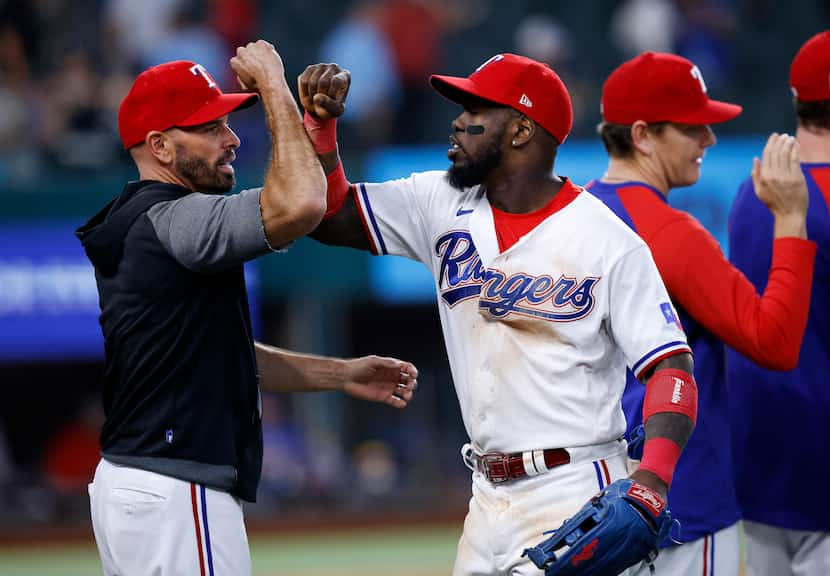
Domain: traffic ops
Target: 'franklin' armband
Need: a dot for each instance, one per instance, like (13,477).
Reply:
(668,390)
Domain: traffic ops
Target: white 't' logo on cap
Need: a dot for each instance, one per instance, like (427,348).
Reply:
(696,74)
(525,101)
(495,58)
(199,70)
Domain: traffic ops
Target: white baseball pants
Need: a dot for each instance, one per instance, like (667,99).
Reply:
(717,554)
(149,524)
(504,519)
(777,551)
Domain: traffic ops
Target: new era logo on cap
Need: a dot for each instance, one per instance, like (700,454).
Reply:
(521,83)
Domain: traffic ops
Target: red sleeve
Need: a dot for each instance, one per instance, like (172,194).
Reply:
(767,328)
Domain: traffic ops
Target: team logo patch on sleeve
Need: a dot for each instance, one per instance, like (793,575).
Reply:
(670,315)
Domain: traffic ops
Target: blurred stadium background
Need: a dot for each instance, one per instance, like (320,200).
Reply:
(374,488)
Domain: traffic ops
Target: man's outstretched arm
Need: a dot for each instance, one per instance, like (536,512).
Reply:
(372,378)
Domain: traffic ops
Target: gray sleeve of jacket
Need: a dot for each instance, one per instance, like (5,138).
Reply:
(211,232)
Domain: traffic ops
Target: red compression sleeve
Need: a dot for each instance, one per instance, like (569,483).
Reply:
(660,456)
(670,390)
(323,136)
(322,133)
(337,191)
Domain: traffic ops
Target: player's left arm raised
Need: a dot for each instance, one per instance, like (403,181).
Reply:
(373,378)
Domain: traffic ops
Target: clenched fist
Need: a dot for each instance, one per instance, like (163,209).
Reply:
(323,89)
(256,64)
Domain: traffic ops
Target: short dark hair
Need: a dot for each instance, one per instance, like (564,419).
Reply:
(617,138)
(813,114)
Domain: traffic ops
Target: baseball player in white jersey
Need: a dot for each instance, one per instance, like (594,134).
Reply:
(544,296)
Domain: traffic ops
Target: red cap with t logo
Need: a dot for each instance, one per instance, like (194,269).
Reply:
(179,93)
(810,70)
(523,84)
(656,87)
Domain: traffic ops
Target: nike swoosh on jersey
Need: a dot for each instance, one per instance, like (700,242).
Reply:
(461,212)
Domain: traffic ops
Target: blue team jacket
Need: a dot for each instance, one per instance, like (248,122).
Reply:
(701,496)
(781,420)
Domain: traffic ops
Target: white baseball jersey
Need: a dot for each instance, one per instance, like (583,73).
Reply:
(538,336)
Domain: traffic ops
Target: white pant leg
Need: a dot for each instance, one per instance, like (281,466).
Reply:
(812,557)
(766,550)
(717,554)
(97,528)
(473,556)
(150,524)
(771,550)
(505,519)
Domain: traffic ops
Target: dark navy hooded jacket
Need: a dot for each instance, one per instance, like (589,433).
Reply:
(180,394)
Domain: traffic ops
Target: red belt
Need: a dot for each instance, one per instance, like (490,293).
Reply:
(499,467)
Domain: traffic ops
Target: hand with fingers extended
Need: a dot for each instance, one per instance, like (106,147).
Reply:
(379,379)
(258,64)
(779,183)
(323,89)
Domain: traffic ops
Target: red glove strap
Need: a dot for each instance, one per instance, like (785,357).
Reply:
(338,189)
(323,133)
(670,390)
(660,456)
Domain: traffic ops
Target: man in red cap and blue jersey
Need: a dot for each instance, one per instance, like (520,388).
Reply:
(656,129)
(780,424)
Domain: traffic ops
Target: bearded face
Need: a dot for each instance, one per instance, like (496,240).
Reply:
(204,176)
(478,156)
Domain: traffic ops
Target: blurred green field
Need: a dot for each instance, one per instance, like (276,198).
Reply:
(422,551)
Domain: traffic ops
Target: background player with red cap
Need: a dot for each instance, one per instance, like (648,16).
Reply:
(182,441)
(656,130)
(780,427)
(544,297)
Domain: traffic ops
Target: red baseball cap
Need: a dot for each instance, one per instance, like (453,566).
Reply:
(657,87)
(523,84)
(179,93)
(810,70)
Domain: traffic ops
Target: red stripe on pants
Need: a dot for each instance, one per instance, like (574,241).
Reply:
(705,554)
(198,531)
(605,470)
